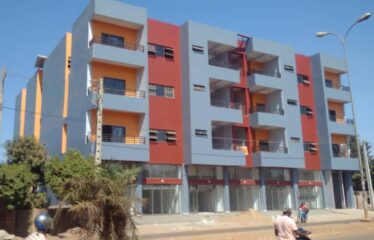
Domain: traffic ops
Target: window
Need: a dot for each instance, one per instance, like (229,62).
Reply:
(332,115)
(292,102)
(335,150)
(201,133)
(161,51)
(160,171)
(151,49)
(198,87)
(328,83)
(69,62)
(276,174)
(114,133)
(295,139)
(112,40)
(169,53)
(288,68)
(162,135)
(310,147)
(114,86)
(264,145)
(305,110)
(161,91)
(243,173)
(197,49)
(204,172)
(303,79)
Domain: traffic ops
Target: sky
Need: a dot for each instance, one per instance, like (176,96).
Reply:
(29,28)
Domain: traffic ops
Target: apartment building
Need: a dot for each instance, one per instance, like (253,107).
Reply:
(216,121)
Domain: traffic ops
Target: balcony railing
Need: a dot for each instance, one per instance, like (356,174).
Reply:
(344,154)
(230,144)
(269,146)
(337,86)
(123,139)
(119,44)
(265,109)
(226,104)
(264,72)
(342,120)
(125,92)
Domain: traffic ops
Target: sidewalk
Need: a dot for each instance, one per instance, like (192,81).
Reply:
(244,225)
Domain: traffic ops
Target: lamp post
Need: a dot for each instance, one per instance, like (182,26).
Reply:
(343,41)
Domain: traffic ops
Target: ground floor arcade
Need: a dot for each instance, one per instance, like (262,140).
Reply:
(170,189)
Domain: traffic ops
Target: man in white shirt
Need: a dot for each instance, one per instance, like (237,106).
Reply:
(285,227)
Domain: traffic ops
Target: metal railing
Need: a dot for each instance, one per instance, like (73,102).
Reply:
(229,144)
(125,92)
(265,109)
(119,44)
(337,86)
(342,120)
(226,104)
(269,146)
(345,154)
(274,73)
(123,139)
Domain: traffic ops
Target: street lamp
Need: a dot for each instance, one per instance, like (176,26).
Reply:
(343,41)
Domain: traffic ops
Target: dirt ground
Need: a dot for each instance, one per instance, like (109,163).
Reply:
(250,225)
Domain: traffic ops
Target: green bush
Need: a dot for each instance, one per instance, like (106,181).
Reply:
(16,186)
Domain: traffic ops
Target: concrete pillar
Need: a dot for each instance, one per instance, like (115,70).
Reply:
(328,190)
(226,190)
(139,192)
(342,191)
(263,205)
(295,188)
(348,189)
(185,204)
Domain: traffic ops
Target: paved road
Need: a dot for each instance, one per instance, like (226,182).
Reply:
(362,236)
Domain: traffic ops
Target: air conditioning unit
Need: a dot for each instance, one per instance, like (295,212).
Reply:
(313,147)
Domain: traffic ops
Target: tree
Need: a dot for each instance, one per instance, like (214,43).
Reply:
(16,181)
(28,151)
(357,176)
(97,194)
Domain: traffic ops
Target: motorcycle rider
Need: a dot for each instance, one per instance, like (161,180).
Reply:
(43,224)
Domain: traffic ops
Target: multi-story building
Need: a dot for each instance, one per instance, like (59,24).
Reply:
(217,121)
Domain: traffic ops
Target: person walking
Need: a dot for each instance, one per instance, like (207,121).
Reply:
(285,228)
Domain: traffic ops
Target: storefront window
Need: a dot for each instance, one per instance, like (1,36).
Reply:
(309,175)
(278,197)
(277,174)
(161,199)
(311,195)
(243,173)
(161,171)
(243,198)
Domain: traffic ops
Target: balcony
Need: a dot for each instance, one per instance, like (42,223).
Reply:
(128,148)
(269,146)
(264,109)
(264,82)
(337,92)
(119,52)
(266,117)
(123,139)
(231,144)
(344,159)
(341,126)
(226,111)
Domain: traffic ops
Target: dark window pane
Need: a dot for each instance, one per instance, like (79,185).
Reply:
(328,83)
(160,51)
(160,91)
(161,135)
(114,86)
(112,40)
(335,150)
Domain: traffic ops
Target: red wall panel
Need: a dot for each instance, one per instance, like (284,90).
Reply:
(166,113)
(308,123)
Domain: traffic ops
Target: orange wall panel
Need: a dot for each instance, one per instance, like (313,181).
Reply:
(100,70)
(38,104)
(338,139)
(67,74)
(258,98)
(338,108)
(130,35)
(333,77)
(22,113)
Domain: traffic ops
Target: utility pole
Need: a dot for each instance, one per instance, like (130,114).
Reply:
(99,120)
(368,176)
(2,84)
